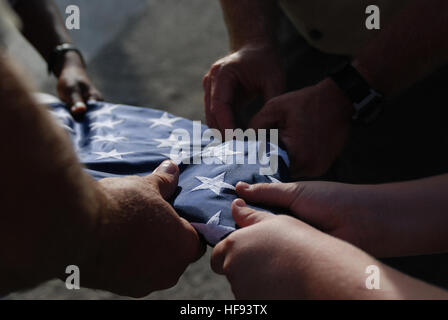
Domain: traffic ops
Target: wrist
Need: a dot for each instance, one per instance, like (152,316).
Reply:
(341,101)
(372,219)
(366,101)
(371,77)
(253,42)
(82,245)
(65,56)
(70,59)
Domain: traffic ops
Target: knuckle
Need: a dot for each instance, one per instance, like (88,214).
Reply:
(272,104)
(164,179)
(205,79)
(229,243)
(214,70)
(227,266)
(156,180)
(214,107)
(261,187)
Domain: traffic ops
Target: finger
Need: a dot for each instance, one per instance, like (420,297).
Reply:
(223,87)
(211,122)
(165,178)
(218,257)
(198,246)
(270,194)
(76,103)
(94,94)
(245,216)
(268,117)
(273,89)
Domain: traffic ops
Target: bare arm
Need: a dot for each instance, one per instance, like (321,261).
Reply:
(44,28)
(414,45)
(387,220)
(121,232)
(251,69)
(297,261)
(406,218)
(49,206)
(249,21)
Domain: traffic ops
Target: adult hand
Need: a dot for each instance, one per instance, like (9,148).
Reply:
(143,244)
(250,71)
(313,124)
(74,85)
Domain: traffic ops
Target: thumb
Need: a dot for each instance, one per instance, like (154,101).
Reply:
(77,105)
(273,89)
(271,194)
(245,216)
(268,117)
(165,178)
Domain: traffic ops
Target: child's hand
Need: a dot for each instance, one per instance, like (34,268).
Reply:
(341,210)
(279,257)
(270,257)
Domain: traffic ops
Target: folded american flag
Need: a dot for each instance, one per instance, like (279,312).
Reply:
(115,140)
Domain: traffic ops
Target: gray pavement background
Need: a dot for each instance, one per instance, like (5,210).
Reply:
(144,53)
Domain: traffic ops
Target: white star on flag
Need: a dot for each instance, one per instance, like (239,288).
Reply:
(108,138)
(172,142)
(111,154)
(213,184)
(220,152)
(63,125)
(164,120)
(105,124)
(61,114)
(104,110)
(179,157)
(212,230)
(273,179)
(66,127)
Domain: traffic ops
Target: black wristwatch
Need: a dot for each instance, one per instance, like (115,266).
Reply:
(58,52)
(366,101)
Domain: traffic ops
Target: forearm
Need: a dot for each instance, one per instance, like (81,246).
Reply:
(249,21)
(44,29)
(49,205)
(408,49)
(344,267)
(405,218)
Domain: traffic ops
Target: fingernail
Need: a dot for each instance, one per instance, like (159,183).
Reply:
(167,167)
(243,185)
(239,203)
(79,104)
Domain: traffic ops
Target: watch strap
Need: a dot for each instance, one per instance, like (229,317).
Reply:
(58,52)
(365,100)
